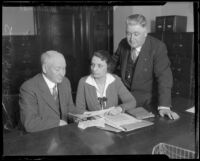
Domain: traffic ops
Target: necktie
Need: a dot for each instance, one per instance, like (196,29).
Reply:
(55,93)
(133,54)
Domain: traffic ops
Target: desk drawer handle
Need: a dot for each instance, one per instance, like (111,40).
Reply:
(179,69)
(180,45)
(169,26)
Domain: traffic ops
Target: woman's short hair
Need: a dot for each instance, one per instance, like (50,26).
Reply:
(104,55)
(136,19)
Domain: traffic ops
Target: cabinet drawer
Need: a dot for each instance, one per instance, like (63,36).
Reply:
(160,23)
(181,88)
(181,76)
(175,23)
(181,69)
(179,43)
(172,23)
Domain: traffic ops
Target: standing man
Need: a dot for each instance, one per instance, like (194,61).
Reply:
(143,61)
(46,98)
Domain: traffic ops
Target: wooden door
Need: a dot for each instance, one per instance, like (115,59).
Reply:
(58,30)
(76,32)
(100,26)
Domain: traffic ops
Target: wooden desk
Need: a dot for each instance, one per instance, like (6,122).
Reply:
(70,140)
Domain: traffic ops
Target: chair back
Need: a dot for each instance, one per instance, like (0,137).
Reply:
(11,113)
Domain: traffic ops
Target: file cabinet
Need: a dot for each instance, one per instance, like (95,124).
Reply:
(180,48)
(171,23)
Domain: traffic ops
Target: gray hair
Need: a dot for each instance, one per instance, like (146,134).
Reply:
(46,56)
(136,19)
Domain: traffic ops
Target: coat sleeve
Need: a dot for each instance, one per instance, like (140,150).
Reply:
(164,76)
(29,111)
(70,103)
(115,65)
(127,99)
(80,96)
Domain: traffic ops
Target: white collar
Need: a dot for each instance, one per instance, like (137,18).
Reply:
(50,84)
(109,79)
(138,49)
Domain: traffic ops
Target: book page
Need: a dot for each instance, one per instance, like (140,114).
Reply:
(191,110)
(121,119)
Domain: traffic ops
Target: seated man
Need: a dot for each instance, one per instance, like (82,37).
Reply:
(46,98)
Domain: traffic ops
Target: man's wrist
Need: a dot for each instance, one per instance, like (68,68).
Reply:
(163,107)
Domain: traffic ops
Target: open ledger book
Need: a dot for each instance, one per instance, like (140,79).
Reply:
(117,123)
(125,122)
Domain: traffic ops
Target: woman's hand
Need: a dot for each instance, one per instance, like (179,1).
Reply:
(115,111)
(77,120)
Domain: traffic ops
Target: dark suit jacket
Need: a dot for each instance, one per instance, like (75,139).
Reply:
(153,62)
(37,106)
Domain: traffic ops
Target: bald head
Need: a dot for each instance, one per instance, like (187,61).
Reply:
(53,65)
(50,55)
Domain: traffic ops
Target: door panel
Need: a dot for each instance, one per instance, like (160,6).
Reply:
(76,32)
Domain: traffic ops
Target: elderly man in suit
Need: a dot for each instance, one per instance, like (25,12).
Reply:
(141,58)
(46,98)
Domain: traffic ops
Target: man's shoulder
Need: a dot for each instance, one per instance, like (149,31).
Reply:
(123,42)
(31,81)
(155,40)
(66,80)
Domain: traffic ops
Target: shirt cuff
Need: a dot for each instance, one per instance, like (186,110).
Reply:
(123,109)
(163,107)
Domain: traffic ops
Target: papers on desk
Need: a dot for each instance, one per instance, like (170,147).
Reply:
(116,123)
(119,120)
(191,110)
(140,113)
(92,113)
(97,113)
(125,122)
(100,122)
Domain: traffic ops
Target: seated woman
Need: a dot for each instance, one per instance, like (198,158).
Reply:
(101,89)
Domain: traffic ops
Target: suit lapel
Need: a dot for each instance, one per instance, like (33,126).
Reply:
(126,55)
(143,55)
(62,97)
(46,95)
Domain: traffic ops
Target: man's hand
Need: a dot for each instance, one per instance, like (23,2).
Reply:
(115,111)
(62,123)
(169,113)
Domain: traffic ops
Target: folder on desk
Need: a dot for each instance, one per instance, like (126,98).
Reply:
(140,113)
(126,122)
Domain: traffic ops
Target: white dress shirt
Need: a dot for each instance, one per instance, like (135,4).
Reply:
(50,84)
(109,79)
